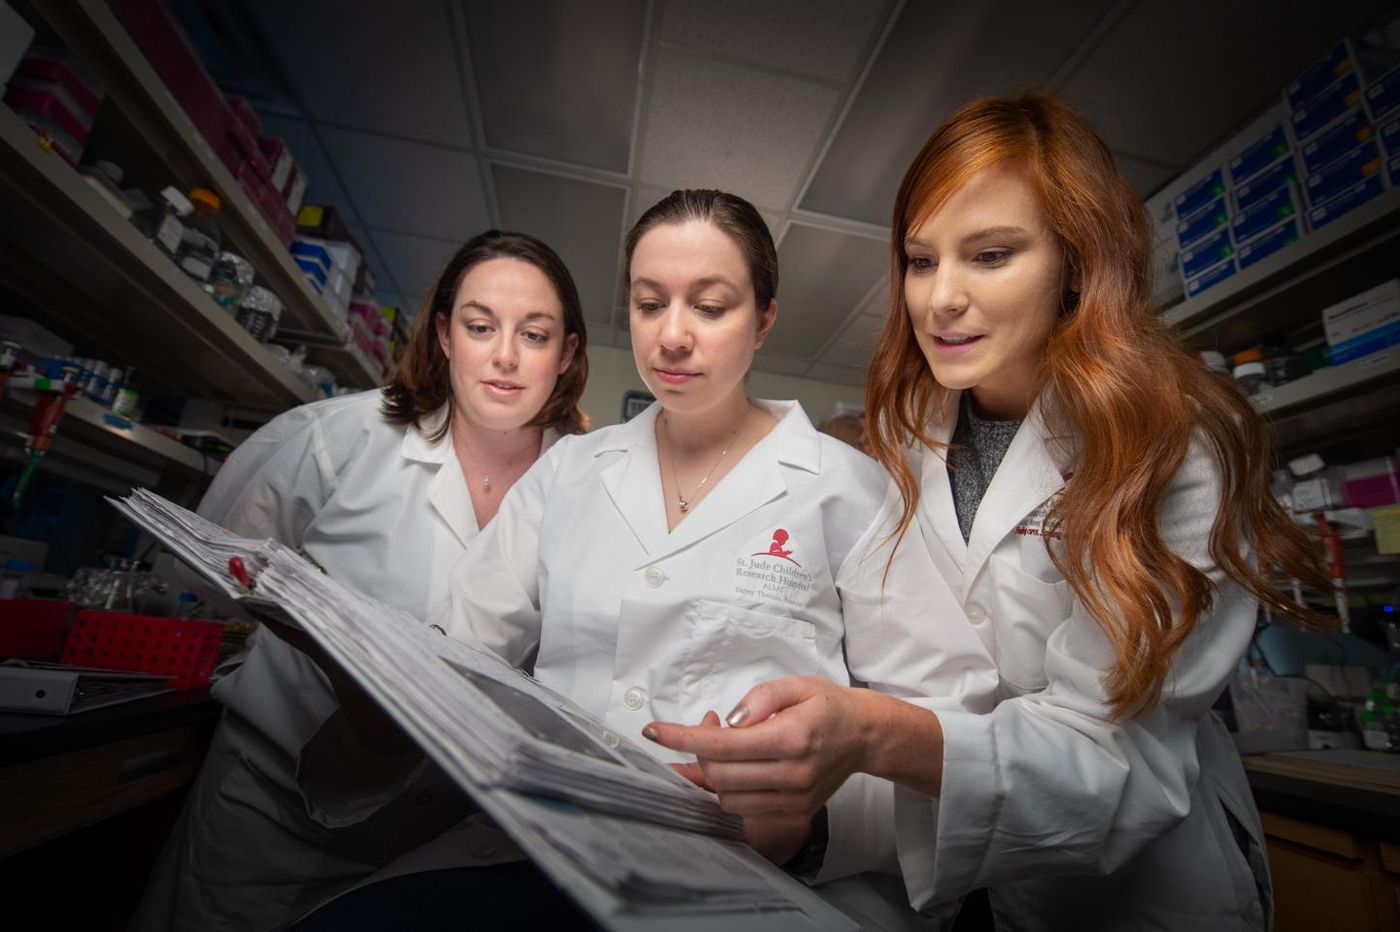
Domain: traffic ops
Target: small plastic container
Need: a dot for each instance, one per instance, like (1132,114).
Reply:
(230,279)
(162,219)
(199,247)
(259,312)
(1252,377)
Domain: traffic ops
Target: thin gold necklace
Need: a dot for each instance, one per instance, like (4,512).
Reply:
(683,501)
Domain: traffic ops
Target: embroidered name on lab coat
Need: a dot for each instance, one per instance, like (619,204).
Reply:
(773,571)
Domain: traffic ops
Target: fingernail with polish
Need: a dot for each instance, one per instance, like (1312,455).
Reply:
(738,716)
(650,733)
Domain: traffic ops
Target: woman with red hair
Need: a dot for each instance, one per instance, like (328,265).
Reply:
(1099,504)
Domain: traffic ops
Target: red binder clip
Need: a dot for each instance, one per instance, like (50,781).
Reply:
(240,572)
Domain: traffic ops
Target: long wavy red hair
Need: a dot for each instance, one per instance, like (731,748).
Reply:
(1123,386)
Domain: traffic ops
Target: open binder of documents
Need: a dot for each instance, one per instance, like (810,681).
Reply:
(635,845)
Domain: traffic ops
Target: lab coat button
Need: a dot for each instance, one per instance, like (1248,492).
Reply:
(976,613)
(634,698)
(655,577)
(611,739)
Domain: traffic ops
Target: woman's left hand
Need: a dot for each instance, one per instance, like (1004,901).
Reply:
(791,744)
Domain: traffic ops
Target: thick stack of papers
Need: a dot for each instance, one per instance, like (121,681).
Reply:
(634,843)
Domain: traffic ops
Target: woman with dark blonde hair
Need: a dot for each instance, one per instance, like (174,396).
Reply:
(1099,504)
(383,489)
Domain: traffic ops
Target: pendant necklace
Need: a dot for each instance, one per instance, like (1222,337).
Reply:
(683,501)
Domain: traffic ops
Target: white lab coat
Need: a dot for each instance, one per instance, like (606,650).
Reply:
(384,510)
(1072,821)
(579,575)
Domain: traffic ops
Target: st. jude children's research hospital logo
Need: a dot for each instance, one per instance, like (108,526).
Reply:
(779,548)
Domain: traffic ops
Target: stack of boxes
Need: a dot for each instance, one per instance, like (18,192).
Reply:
(1335,129)
(227,124)
(53,94)
(328,257)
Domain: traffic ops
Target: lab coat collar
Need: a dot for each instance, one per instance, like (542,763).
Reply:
(448,493)
(634,481)
(1034,468)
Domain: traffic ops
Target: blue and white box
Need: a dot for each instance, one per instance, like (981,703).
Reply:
(1278,175)
(1352,168)
(1210,277)
(1260,155)
(1269,242)
(1207,252)
(1338,138)
(1339,60)
(1383,95)
(1344,202)
(1390,135)
(1199,195)
(1203,223)
(1363,323)
(1334,100)
(1270,210)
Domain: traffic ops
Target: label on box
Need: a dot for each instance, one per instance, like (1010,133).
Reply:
(1362,313)
(1337,62)
(1390,136)
(1366,344)
(296,192)
(1199,195)
(1339,205)
(1340,96)
(1259,155)
(1207,252)
(1339,138)
(170,232)
(1278,175)
(1387,524)
(1383,94)
(1354,167)
(1269,210)
(1210,277)
(1268,242)
(1202,223)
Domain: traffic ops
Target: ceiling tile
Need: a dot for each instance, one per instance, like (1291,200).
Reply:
(410,187)
(855,345)
(1162,85)
(720,125)
(824,277)
(580,220)
(556,78)
(321,184)
(930,64)
(823,39)
(1145,176)
(414,261)
(388,67)
(841,375)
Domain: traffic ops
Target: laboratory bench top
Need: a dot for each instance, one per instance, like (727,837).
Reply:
(25,736)
(1346,789)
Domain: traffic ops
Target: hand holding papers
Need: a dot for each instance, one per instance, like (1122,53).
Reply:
(634,843)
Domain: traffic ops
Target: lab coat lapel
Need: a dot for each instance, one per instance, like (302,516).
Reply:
(633,480)
(448,494)
(451,499)
(936,492)
(1029,474)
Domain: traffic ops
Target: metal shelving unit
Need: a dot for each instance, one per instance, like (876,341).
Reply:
(72,255)
(92,31)
(1365,374)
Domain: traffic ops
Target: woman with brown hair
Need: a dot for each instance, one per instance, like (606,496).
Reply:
(384,490)
(1099,504)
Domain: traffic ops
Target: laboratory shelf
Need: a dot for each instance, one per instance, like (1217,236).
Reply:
(1290,288)
(348,364)
(71,256)
(1365,373)
(94,428)
(92,31)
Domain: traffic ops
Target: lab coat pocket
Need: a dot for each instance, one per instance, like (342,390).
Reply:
(731,649)
(1024,611)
